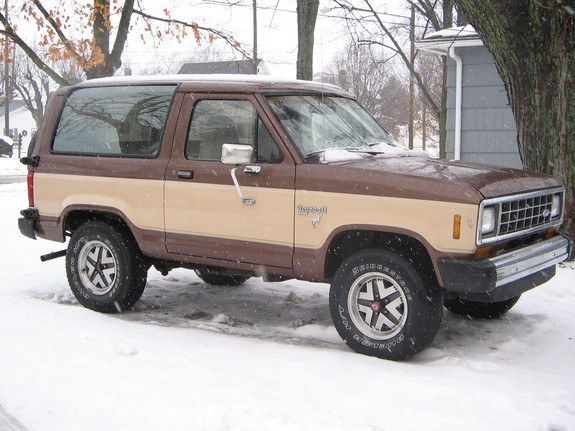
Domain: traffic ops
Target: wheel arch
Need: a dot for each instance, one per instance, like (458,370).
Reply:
(75,217)
(349,241)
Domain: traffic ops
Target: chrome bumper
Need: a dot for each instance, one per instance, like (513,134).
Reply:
(526,261)
(505,276)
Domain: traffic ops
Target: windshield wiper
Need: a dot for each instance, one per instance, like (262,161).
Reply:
(367,151)
(316,155)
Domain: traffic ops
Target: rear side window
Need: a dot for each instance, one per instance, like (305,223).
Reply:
(114,121)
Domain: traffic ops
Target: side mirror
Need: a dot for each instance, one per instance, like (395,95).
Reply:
(237,154)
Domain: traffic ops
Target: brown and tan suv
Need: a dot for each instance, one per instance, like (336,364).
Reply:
(236,178)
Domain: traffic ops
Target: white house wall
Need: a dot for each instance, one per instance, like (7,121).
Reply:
(21,119)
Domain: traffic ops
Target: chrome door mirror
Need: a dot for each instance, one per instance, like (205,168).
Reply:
(237,154)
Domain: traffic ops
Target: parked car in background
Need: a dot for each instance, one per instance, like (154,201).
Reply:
(6,145)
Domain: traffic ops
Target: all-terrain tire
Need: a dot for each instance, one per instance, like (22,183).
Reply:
(381,306)
(479,310)
(105,268)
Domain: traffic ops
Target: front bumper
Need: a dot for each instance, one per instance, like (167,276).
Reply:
(505,276)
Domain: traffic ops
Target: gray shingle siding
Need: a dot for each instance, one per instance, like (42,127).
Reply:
(488,127)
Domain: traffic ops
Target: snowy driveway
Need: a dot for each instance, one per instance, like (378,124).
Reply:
(263,357)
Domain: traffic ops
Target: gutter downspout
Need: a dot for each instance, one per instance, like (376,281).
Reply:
(458,81)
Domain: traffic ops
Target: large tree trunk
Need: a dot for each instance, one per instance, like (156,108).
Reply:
(306,18)
(533,43)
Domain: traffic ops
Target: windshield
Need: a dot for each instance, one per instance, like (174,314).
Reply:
(319,123)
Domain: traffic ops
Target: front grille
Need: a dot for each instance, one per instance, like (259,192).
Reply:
(522,214)
(525,213)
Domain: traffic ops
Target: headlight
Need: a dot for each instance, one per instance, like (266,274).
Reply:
(488,220)
(556,206)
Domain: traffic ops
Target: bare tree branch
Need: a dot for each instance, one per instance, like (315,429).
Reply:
(57,29)
(122,32)
(230,40)
(29,51)
(397,48)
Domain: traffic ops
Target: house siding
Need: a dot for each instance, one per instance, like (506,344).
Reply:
(488,131)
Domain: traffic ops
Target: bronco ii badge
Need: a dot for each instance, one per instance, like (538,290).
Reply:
(318,211)
(305,210)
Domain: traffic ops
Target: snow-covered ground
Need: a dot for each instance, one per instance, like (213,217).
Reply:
(261,357)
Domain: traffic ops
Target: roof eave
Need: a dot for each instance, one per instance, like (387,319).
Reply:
(442,46)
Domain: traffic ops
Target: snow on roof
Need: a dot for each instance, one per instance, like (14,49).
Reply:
(6,139)
(454,37)
(243,83)
(454,33)
(207,78)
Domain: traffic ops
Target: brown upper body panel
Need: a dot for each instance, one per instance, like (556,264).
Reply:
(420,178)
(407,177)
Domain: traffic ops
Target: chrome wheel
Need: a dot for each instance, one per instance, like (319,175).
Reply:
(97,267)
(105,268)
(380,305)
(377,305)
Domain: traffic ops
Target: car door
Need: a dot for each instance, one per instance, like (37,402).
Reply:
(204,215)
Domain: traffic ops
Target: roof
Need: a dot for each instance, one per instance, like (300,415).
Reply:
(241,67)
(221,83)
(14,105)
(456,37)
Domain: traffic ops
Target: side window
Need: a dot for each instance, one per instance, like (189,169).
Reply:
(114,121)
(218,122)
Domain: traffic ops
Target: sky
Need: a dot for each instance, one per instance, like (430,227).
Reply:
(277,33)
(276,25)
(277,36)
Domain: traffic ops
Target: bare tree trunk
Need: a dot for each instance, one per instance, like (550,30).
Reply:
(533,44)
(31,91)
(106,62)
(306,18)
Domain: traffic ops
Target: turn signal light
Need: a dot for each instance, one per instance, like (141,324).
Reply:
(456,226)
(551,233)
(483,252)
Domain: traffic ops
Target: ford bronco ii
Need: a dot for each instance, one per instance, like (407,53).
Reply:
(239,177)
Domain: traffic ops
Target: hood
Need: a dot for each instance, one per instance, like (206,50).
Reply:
(420,178)
(489,181)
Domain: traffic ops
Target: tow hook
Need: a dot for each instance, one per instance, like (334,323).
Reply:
(54,255)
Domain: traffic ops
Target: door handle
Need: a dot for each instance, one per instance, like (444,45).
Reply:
(252,169)
(185,175)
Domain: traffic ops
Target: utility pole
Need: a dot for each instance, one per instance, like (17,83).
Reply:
(6,79)
(255,59)
(411,127)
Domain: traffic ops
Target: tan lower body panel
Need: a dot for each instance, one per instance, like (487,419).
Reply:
(141,201)
(319,214)
(210,221)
